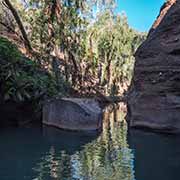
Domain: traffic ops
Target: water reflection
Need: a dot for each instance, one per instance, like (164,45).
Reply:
(157,156)
(105,158)
(50,154)
(35,153)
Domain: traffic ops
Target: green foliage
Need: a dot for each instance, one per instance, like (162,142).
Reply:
(21,79)
(113,44)
(8,50)
(95,48)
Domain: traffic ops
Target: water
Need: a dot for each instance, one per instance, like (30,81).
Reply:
(46,153)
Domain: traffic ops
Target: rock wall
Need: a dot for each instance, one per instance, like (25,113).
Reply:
(155,89)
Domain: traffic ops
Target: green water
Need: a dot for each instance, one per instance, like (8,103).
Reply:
(46,153)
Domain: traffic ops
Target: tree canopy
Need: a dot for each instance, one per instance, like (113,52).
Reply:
(80,42)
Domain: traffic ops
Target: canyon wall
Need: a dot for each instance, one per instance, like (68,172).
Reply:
(154,94)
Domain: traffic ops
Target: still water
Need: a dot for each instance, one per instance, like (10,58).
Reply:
(46,153)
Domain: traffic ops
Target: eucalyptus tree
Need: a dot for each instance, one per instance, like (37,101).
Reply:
(111,44)
(80,41)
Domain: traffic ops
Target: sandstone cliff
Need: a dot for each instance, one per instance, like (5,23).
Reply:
(155,89)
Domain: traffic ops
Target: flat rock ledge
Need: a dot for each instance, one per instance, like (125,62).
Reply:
(74,114)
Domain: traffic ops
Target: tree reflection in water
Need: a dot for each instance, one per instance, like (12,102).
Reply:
(106,157)
(34,153)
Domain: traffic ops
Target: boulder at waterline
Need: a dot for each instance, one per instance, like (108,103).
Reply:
(155,89)
(73,114)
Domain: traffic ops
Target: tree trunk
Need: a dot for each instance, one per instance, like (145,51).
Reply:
(20,25)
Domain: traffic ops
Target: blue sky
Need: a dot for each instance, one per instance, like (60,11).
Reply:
(141,13)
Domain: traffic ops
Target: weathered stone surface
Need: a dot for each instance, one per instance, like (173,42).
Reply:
(155,89)
(73,114)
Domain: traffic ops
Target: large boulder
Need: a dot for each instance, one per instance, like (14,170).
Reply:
(155,89)
(73,114)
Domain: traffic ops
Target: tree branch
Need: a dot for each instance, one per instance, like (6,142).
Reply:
(20,25)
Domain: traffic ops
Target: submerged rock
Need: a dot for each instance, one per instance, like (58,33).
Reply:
(73,114)
(155,89)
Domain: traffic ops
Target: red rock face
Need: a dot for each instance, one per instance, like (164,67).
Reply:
(163,11)
(155,89)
